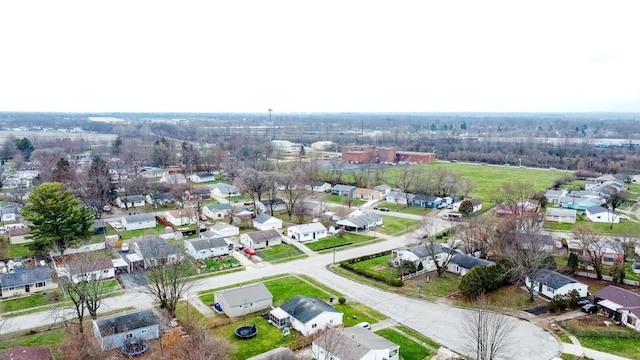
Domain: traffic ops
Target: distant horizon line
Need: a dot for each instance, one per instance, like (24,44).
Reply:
(266,112)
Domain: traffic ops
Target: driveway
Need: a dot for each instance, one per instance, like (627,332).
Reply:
(134,279)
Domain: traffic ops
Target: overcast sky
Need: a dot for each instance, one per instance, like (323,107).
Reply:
(319,56)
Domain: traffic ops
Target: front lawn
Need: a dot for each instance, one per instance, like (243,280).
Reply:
(279,252)
(215,264)
(409,349)
(18,251)
(396,225)
(625,347)
(337,241)
(26,302)
(404,209)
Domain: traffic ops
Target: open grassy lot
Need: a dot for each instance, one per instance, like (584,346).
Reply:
(409,349)
(403,209)
(338,241)
(507,297)
(396,226)
(51,338)
(280,252)
(17,251)
(337,199)
(130,234)
(628,348)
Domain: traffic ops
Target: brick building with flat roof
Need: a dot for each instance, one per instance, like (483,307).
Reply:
(362,154)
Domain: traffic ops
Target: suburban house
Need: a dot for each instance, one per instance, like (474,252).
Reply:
(112,332)
(601,214)
(399,198)
(419,254)
(138,221)
(542,242)
(477,205)
(98,227)
(243,300)
(85,270)
(320,186)
(271,205)
(620,304)
(173,179)
(202,193)
(266,222)
(307,232)
(384,189)
(309,208)
(306,314)
(610,251)
(560,215)
(343,212)
(225,230)
(554,195)
(367,194)
(426,201)
(27,353)
(156,251)
(181,217)
(223,190)
(520,208)
(242,214)
(217,211)
(460,264)
(361,222)
(261,239)
(355,343)
(151,172)
(130,201)
(551,283)
(10,212)
(274,354)
(202,177)
(343,190)
(26,280)
(205,248)
(160,199)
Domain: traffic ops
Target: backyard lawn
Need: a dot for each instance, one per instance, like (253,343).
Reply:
(409,349)
(338,241)
(337,199)
(396,226)
(130,234)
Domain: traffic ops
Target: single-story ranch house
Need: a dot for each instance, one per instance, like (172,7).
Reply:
(243,300)
(306,314)
(551,283)
(113,331)
(307,232)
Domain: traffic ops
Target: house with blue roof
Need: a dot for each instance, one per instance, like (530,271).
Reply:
(26,280)
(461,263)
(343,190)
(551,283)
(426,201)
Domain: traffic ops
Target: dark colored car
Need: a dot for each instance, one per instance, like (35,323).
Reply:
(384,209)
(590,308)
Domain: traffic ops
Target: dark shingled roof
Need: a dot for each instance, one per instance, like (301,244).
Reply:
(126,322)
(305,308)
(619,296)
(554,279)
(25,275)
(468,262)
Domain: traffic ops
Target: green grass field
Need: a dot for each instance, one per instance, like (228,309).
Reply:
(409,349)
(279,252)
(625,347)
(396,226)
(337,241)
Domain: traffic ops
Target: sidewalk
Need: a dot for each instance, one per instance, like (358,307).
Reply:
(576,349)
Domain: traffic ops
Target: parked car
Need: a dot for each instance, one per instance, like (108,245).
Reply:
(365,325)
(590,308)
(384,209)
(124,247)
(249,251)
(118,226)
(106,208)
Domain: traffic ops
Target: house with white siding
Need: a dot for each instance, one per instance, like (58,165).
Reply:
(217,211)
(25,281)
(355,343)
(139,221)
(306,314)
(206,247)
(261,239)
(225,230)
(551,283)
(266,222)
(307,232)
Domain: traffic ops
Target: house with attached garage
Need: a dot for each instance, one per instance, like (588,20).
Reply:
(551,283)
(460,264)
(202,177)
(356,343)
(261,239)
(601,214)
(266,222)
(217,211)
(306,314)
(25,281)
(620,304)
(361,222)
(113,331)
(243,300)
(560,215)
(224,230)
(343,190)
(205,248)
(307,232)
(130,201)
(139,221)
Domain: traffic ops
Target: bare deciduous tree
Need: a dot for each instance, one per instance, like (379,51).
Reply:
(487,333)
(592,246)
(439,253)
(329,344)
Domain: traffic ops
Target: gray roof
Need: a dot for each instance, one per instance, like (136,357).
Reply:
(11,208)
(421,250)
(139,217)
(357,342)
(555,280)
(126,322)
(132,198)
(210,243)
(274,202)
(305,308)
(221,226)
(156,248)
(619,296)
(311,227)
(25,275)
(224,188)
(263,218)
(97,224)
(260,236)
(318,183)
(362,220)
(597,209)
(243,294)
(219,207)
(275,354)
(468,262)
(341,187)
(561,212)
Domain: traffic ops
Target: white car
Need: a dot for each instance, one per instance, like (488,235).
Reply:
(118,226)
(623,216)
(124,247)
(365,325)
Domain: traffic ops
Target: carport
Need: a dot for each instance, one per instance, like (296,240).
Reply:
(120,265)
(135,261)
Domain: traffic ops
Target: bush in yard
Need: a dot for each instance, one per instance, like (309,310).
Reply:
(342,300)
(573,262)
(466,207)
(617,272)
(481,280)
(574,299)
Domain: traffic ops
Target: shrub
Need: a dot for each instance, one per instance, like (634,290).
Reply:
(342,300)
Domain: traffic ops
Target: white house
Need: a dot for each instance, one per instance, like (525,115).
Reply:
(26,280)
(307,232)
(181,217)
(550,283)
(156,251)
(419,254)
(384,189)
(554,195)
(460,264)
(139,221)
(217,211)
(243,300)
(266,222)
(601,214)
(162,198)
(81,270)
(320,186)
(202,177)
(10,211)
(560,215)
(343,212)
(361,222)
(223,190)
(173,179)
(399,198)
(354,343)
(205,248)
(477,205)
(225,230)
(306,314)
(130,201)
(270,205)
(367,194)
(261,239)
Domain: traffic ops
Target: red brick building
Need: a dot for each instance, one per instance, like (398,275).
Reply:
(372,154)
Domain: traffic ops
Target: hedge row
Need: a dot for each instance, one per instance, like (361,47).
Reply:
(379,277)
